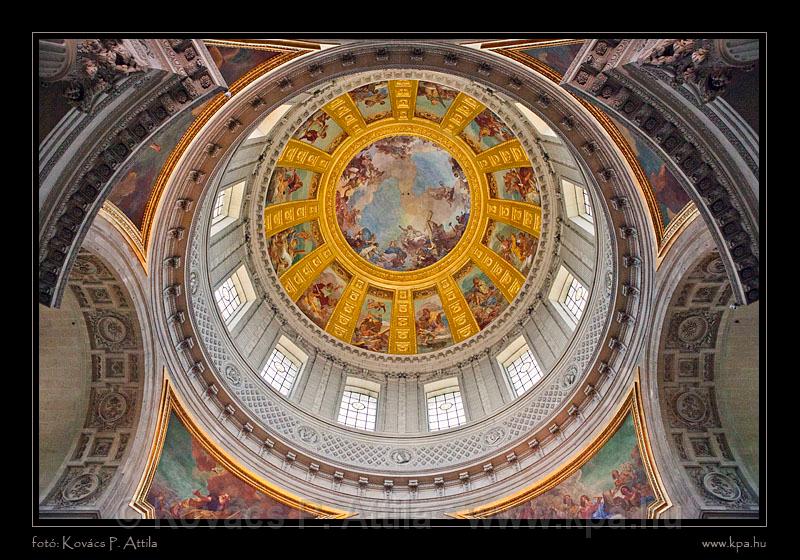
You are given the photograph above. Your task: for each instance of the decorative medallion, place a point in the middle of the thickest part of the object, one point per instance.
(400, 456)
(494, 436)
(715, 267)
(112, 329)
(722, 486)
(307, 434)
(692, 329)
(569, 377)
(112, 407)
(80, 487)
(690, 407)
(85, 267)
(232, 375)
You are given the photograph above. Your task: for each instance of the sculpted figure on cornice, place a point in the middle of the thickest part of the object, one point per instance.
(695, 61)
(100, 63)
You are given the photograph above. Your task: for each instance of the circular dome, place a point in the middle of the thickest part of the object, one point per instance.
(403, 216)
(524, 179)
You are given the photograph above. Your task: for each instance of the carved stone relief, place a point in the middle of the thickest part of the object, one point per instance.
(115, 391)
(687, 392)
(612, 73)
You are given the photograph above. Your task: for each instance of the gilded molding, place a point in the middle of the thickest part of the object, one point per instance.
(503, 156)
(633, 404)
(169, 403)
(460, 113)
(128, 229)
(403, 95)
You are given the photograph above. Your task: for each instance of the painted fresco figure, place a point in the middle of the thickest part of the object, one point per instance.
(200, 506)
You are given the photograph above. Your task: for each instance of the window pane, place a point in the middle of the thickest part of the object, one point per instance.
(445, 411)
(523, 372)
(219, 207)
(280, 372)
(228, 299)
(575, 302)
(358, 410)
(587, 206)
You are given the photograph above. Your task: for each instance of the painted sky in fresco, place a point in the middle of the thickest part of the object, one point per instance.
(131, 192)
(402, 182)
(233, 63)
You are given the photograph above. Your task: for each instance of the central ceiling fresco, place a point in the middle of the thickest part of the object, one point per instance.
(403, 217)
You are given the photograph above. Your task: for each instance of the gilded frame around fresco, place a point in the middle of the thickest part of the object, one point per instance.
(632, 404)
(169, 403)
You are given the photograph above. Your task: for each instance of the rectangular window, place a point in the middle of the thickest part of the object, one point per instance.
(445, 408)
(575, 300)
(358, 409)
(228, 299)
(569, 297)
(281, 370)
(227, 207)
(235, 296)
(219, 207)
(587, 206)
(578, 205)
(523, 371)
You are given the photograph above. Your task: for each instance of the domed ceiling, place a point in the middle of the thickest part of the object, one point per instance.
(402, 217)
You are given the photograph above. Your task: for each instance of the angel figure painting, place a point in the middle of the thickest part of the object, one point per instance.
(433, 330)
(516, 247)
(189, 483)
(613, 484)
(287, 184)
(373, 101)
(433, 100)
(321, 297)
(402, 203)
(321, 131)
(485, 131)
(484, 299)
(372, 326)
(517, 184)
(290, 245)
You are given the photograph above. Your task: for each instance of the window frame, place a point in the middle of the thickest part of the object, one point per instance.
(364, 388)
(444, 388)
(578, 204)
(232, 197)
(560, 293)
(245, 292)
(526, 379)
(291, 353)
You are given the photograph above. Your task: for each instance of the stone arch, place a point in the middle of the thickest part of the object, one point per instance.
(112, 360)
(689, 373)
